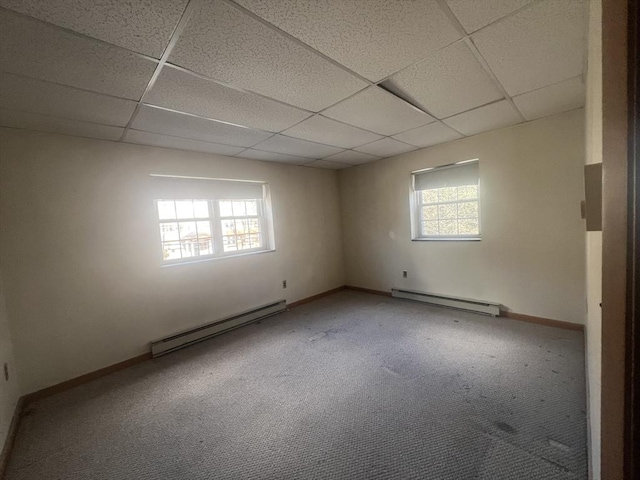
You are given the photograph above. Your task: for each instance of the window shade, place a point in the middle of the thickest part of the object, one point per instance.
(176, 188)
(452, 176)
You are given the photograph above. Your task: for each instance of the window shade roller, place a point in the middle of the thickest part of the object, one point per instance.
(176, 188)
(453, 176)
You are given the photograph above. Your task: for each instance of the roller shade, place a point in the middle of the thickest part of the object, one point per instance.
(450, 176)
(176, 188)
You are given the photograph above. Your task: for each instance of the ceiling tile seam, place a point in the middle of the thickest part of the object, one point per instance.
(179, 28)
(507, 16)
(337, 121)
(354, 151)
(310, 141)
(581, 77)
(49, 132)
(492, 102)
(78, 34)
(328, 161)
(60, 117)
(255, 147)
(190, 138)
(296, 40)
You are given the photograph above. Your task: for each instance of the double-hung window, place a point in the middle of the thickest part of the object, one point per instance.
(446, 202)
(207, 218)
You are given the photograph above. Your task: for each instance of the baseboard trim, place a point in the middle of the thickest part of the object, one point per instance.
(11, 437)
(368, 290)
(543, 321)
(315, 297)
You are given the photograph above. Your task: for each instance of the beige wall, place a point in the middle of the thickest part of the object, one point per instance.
(9, 390)
(80, 251)
(593, 114)
(532, 255)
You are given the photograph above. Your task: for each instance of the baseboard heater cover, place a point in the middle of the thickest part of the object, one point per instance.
(198, 334)
(478, 306)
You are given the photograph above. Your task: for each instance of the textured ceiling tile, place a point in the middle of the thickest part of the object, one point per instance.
(351, 157)
(44, 123)
(542, 44)
(561, 97)
(323, 130)
(378, 111)
(428, 135)
(143, 26)
(158, 120)
(448, 82)
(156, 140)
(374, 38)
(296, 147)
(185, 92)
(35, 96)
(327, 165)
(272, 157)
(228, 45)
(473, 16)
(490, 117)
(30, 47)
(387, 147)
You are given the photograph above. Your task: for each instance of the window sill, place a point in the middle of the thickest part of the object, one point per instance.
(177, 263)
(448, 239)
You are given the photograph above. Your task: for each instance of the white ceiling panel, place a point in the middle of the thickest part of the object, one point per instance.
(44, 123)
(561, 97)
(374, 38)
(351, 157)
(542, 44)
(327, 165)
(35, 96)
(228, 45)
(387, 147)
(448, 82)
(428, 135)
(35, 49)
(158, 120)
(143, 26)
(378, 111)
(324, 130)
(272, 157)
(473, 16)
(185, 92)
(490, 117)
(167, 141)
(296, 147)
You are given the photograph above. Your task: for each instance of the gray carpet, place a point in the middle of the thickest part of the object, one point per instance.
(351, 386)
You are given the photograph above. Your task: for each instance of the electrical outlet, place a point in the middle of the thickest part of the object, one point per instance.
(404, 274)
(6, 372)
(284, 284)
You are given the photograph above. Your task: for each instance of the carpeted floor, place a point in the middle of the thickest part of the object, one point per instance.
(351, 386)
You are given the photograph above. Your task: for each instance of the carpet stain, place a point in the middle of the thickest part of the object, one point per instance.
(505, 427)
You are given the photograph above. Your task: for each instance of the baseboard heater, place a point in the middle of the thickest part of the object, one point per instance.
(195, 335)
(478, 306)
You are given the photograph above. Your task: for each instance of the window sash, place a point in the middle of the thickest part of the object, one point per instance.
(420, 205)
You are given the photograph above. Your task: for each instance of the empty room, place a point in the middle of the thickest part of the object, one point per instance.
(328, 239)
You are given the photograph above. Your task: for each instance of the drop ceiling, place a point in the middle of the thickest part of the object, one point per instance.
(319, 83)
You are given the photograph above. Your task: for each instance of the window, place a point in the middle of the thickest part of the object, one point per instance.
(445, 203)
(226, 218)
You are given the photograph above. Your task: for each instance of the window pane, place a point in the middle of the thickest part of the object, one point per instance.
(430, 213)
(254, 225)
(184, 208)
(228, 227)
(166, 210)
(242, 226)
(255, 241)
(468, 210)
(430, 228)
(225, 208)
(468, 227)
(204, 230)
(171, 251)
(430, 196)
(189, 248)
(168, 232)
(447, 211)
(239, 209)
(205, 246)
(201, 208)
(447, 194)
(187, 230)
(244, 242)
(252, 207)
(229, 243)
(467, 192)
(448, 227)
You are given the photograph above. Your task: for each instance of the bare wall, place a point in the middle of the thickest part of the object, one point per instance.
(9, 389)
(79, 249)
(532, 254)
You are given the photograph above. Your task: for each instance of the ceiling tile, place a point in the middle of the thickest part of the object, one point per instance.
(473, 17)
(35, 96)
(272, 157)
(448, 82)
(296, 147)
(374, 38)
(324, 130)
(166, 141)
(378, 111)
(327, 165)
(143, 26)
(561, 97)
(158, 120)
(180, 90)
(44, 123)
(248, 54)
(387, 147)
(35, 49)
(428, 135)
(542, 44)
(351, 157)
(490, 117)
